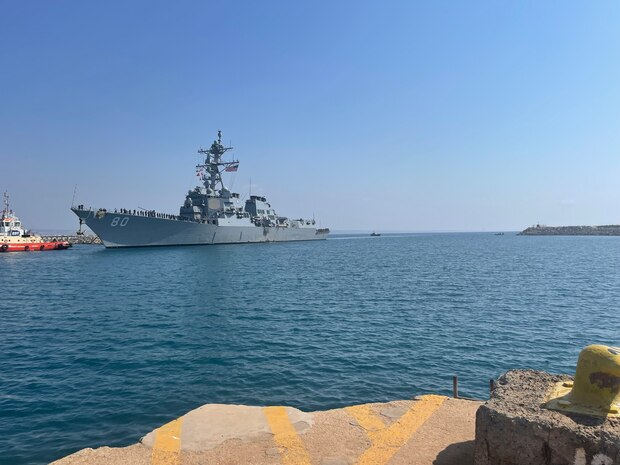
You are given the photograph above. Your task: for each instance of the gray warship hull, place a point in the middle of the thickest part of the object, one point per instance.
(127, 230)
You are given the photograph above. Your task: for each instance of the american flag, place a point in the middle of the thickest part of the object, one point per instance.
(232, 167)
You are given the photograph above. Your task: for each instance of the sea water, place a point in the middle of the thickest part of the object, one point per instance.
(99, 347)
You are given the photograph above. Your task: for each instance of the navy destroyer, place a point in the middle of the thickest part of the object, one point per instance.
(211, 214)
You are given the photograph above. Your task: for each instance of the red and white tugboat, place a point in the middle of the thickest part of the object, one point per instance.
(14, 238)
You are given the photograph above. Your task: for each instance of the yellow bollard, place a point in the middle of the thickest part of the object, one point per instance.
(596, 389)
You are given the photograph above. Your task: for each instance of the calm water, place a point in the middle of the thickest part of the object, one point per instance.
(98, 347)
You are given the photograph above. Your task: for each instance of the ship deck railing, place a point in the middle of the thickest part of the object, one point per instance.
(142, 213)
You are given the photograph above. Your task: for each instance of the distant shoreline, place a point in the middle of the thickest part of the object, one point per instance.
(541, 230)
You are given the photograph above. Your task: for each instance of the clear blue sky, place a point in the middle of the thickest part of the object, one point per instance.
(395, 115)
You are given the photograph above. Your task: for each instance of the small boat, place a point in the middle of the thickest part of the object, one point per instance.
(14, 238)
(374, 234)
(499, 234)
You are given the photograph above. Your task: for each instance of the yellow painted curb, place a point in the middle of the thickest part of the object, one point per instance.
(387, 441)
(286, 438)
(167, 445)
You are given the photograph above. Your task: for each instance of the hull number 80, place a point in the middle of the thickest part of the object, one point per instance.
(118, 221)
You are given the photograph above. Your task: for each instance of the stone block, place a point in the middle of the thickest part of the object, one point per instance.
(513, 428)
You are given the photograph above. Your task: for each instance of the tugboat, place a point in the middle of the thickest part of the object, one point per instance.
(14, 238)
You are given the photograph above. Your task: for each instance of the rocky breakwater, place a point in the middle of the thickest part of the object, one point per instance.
(81, 239)
(542, 230)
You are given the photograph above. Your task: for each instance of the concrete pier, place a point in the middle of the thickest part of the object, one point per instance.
(430, 430)
(532, 418)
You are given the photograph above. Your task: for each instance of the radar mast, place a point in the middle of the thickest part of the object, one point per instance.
(211, 170)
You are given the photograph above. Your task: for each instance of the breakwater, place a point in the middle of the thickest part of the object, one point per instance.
(75, 239)
(542, 230)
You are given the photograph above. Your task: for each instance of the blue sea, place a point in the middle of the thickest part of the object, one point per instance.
(98, 347)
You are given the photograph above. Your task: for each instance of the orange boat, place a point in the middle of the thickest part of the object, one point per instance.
(14, 238)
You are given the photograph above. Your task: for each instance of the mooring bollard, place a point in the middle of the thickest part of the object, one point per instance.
(455, 387)
(596, 388)
(577, 423)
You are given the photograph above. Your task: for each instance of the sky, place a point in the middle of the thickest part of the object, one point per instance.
(369, 115)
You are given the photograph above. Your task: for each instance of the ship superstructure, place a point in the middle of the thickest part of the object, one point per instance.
(211, 214)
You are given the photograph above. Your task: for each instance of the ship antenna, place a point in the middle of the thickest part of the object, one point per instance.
(73, 199)
(6, 202)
